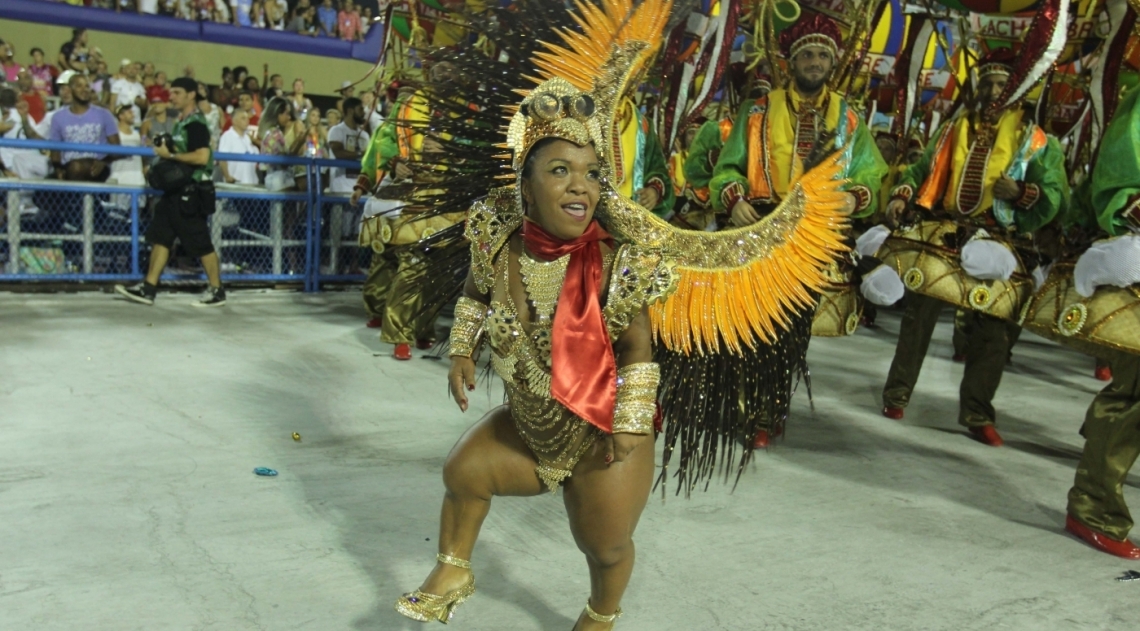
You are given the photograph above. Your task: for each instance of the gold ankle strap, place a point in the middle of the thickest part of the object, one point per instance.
(597, 617)
(450, 560)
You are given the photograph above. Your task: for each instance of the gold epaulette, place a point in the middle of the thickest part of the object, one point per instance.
(639, 278)
(490, 224)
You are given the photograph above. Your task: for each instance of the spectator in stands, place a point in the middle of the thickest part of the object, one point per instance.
(30, 95)
(278, 119)
(301, 103)
(225, 94)
(127, 171)
(8, 61)
(317, 144)
(240, 138)
(73, 54)
(188, 71)
(221, 15)
(240, 73)
(212, 112)
(276, 15)
(146, 76)
(182, 214)
(43, 73)
(245, 103)
(100, 80)
(257, 15)
(158, 92)
(327, 18)
(250, 85)
(43, 128)
(347, 91)
(128, 90)
(366, 21)
(333, 118)
(348, 141)
(372, 115)
(348, 22)
(304, 22)
(243, 13)
(26, 164)
(85, 123)
(158, 122)
(274, 84)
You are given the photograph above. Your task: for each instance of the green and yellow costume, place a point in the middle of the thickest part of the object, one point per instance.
(955, 178)
(773, 134)
(1106, 324)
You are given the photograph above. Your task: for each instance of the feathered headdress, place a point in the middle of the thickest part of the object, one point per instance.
(737, 286)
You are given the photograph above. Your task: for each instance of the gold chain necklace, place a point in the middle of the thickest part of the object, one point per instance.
(543, 282)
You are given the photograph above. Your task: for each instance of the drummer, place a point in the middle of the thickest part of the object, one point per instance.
(1096, 509)
(963, 175)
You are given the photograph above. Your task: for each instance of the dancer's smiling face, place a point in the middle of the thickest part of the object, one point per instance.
(561, 183)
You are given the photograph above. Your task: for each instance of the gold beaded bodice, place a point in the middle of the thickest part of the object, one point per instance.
(520, 321)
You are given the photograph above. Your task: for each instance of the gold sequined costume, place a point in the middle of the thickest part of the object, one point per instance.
(521, 344)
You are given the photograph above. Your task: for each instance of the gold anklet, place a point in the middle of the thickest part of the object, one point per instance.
(597, 617)
(456, 561)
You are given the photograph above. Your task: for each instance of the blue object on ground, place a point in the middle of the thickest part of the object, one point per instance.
(265, 471)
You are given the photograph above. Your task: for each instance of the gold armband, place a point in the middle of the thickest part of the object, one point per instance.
(636, 398)
(467, 330)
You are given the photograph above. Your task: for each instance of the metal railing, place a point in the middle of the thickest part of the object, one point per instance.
(65, 231)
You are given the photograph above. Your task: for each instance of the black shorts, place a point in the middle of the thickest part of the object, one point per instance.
(179, 216)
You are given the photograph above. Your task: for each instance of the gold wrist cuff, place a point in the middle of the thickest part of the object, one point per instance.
(467, 330)
(636, 398)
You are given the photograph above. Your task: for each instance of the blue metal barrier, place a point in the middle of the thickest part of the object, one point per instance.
(57, 230)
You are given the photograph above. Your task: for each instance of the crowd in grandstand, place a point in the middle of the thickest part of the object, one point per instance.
(80, 99)
(345, 19)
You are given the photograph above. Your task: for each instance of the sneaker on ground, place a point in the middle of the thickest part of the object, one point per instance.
(138, 293)
(212, 297)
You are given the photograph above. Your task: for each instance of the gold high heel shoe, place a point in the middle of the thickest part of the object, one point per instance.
(597, 617)
(426, 607)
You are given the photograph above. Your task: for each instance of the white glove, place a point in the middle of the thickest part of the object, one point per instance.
(882, 286)
(1113, 262)
(986, 259)
(870, 241)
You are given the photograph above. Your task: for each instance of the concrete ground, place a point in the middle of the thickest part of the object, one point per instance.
(128, 499)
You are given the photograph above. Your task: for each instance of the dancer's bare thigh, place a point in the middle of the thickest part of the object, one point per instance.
(605, 502)
(492, 457)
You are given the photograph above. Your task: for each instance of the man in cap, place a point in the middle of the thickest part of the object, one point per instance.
(774, 133)
(964, 175)
(182, 214)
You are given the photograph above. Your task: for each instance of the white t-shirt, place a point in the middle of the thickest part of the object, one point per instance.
(125, 92)
(352, 139)
(232, 142)
(375, 120)
(148, 6)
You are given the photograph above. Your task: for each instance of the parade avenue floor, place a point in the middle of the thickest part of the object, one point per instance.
(128, 498)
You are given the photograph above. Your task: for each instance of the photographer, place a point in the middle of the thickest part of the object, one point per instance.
(184, 174)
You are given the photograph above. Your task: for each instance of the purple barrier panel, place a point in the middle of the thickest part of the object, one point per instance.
(275, 40)
(369, 49)
(98, 19)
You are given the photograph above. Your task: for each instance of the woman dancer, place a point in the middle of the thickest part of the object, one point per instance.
(569, 313)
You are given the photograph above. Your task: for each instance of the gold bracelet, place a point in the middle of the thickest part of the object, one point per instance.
(467, 330)
(636, 398)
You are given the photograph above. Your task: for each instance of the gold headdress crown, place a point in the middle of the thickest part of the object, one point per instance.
(555, 109)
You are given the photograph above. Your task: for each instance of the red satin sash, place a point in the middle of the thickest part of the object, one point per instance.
(584, 371)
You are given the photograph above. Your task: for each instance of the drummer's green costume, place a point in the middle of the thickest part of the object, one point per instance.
(955, 177)
(1112, 423)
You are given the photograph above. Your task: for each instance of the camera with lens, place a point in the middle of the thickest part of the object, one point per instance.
(164, 140)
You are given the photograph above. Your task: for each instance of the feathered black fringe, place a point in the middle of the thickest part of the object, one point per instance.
(713, 405)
